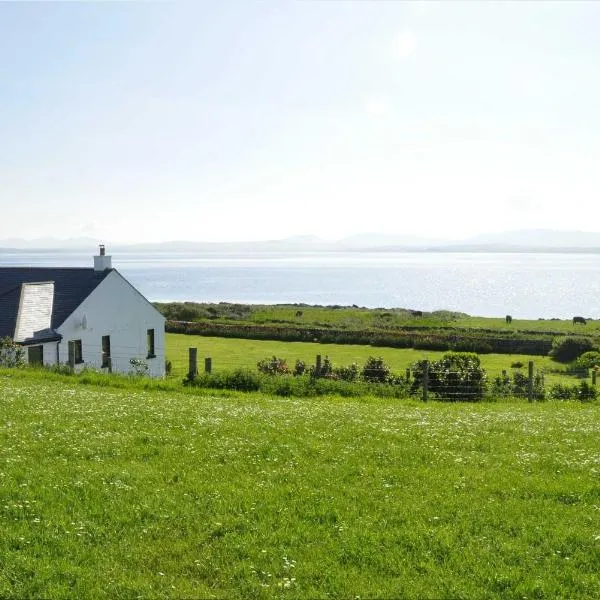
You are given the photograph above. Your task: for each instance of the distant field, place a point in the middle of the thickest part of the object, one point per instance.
(127, 493)
(228, 353)
(357, 318)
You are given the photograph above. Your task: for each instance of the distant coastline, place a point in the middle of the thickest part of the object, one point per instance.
(297, 249)
(526, 241)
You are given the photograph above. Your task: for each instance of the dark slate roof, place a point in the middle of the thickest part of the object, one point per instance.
(71, 287)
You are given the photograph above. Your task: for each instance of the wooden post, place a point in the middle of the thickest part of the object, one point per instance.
(193, 369)
(407, 375)
(109, 364)
(425, 379)
(530, 382)
(208, 364)
(318, 366)
(503, 373)
(594, 376)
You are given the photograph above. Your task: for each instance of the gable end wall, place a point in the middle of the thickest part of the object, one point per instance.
(117, 309)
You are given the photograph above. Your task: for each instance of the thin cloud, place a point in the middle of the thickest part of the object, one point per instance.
(378, 105)
(404, 45)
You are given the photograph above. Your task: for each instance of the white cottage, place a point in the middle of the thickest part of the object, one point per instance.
(87, 317)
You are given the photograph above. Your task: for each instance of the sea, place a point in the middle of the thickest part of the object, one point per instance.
(524, 285)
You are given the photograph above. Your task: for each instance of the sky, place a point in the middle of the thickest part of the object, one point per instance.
(252, 120)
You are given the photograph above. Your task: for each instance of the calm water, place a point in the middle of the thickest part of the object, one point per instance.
(524, 285)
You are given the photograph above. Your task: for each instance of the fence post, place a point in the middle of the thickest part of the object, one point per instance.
(530, 382)
(193, 368)
(318, 366)
(425, 379)
(208, 365)
(407, 375)
(594, 376)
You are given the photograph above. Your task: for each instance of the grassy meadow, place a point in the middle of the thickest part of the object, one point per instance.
(230, 353)
(123, 493)
(361, 318)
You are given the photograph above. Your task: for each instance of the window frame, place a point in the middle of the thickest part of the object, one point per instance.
(106, 358)
(150, 344)
(77, 346)
(38, 348)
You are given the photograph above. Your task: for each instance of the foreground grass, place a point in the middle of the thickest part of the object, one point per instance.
(128, 493)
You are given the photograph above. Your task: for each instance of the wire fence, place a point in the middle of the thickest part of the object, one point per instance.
(425, 380)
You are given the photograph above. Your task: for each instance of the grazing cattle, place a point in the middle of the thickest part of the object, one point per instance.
(579, 320)
(298, 313)
(508, 319)
(416, 313)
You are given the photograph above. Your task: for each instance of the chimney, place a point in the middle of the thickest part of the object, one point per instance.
(102, 262)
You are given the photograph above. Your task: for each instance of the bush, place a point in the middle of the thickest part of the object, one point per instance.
(273, 366)
(588, 360)
(349, 373)
(456, 376)
(242, 380)
(140, 366)
(560, 391)
(11, 354)
(375, 370)
(501, 387)
(517, 365)
(520, 386)
(567, 348)
(299, 368)
(584, 392)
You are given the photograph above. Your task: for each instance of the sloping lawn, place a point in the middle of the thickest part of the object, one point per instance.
(109, 493)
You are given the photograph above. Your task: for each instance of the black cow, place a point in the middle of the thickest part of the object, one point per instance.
(579, 320)
(508, 319)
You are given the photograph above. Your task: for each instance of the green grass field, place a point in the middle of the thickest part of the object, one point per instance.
(228, 353)
(356, 318)
(109, 493)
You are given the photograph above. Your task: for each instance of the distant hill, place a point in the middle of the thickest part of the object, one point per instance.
(534, 240)
(538, 238)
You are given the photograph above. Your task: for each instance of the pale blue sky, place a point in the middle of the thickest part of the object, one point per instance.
(145, 121)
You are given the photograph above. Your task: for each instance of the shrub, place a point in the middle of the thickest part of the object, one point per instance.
(583, 392)
(140, 367)
(242, 380)
(456, 376)
(11, 355)
(567, 348)
(501, 387)
(517, 365)
(560, 391)
(588, 360)
(586, 392)
(273, 366)
(299, 368)
(349, 373)
(520, 386)
(375, 370)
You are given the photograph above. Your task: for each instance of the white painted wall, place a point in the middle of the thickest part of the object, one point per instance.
(117, 309)
(49, 353)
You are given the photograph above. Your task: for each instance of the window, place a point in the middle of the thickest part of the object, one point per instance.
(35, 355)
(150, 343)
(105, 351)
(75, 352)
